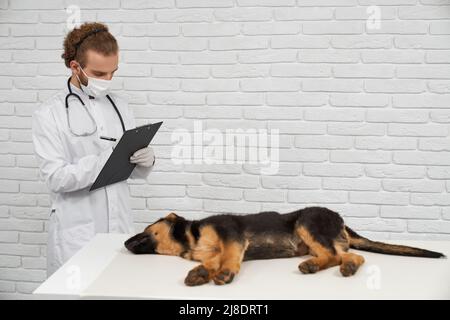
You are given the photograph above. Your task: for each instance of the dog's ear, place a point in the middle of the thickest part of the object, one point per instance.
(171, 216)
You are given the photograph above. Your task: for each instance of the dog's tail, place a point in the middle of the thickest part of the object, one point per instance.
(360, 243)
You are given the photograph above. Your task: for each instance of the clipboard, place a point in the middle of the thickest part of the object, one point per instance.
(118, 166)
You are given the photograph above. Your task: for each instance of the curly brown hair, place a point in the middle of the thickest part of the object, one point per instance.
(89, 36)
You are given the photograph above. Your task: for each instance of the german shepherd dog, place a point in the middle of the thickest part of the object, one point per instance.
(222, 242)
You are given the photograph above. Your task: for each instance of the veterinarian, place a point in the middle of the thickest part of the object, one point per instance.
(73, 135)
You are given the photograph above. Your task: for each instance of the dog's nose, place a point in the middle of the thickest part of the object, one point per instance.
(140, 243)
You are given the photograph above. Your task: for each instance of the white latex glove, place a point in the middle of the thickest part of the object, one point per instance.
(143, 157)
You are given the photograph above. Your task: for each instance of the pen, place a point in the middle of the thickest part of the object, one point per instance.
(107, 138)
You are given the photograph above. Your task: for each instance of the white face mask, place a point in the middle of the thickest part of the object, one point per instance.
(95, 87)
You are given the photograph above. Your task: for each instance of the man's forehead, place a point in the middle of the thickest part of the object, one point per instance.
(100, 62)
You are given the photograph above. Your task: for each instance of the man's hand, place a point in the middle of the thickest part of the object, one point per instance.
(143, 157)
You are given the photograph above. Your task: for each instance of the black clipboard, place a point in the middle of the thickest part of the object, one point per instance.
(118, 166)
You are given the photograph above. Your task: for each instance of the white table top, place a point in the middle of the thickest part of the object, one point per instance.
(105, 269)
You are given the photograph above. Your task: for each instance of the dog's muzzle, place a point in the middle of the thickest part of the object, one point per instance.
(141, 243)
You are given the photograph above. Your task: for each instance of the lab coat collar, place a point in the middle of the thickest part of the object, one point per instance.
(80, 92)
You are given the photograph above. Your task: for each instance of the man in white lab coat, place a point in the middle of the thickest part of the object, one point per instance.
(66, 133)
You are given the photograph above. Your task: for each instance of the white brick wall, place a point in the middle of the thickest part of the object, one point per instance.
(364, 114)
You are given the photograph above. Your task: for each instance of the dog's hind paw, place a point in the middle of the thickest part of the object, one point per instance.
(223, 277)
(197, 276)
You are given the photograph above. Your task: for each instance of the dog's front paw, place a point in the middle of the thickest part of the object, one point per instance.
(223, 277)
(197, 276)
(308, 267)
(348, 269)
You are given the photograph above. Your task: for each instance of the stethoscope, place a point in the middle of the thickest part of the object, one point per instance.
(71, 94)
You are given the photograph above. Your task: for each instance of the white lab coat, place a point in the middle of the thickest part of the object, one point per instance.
(70, 164)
